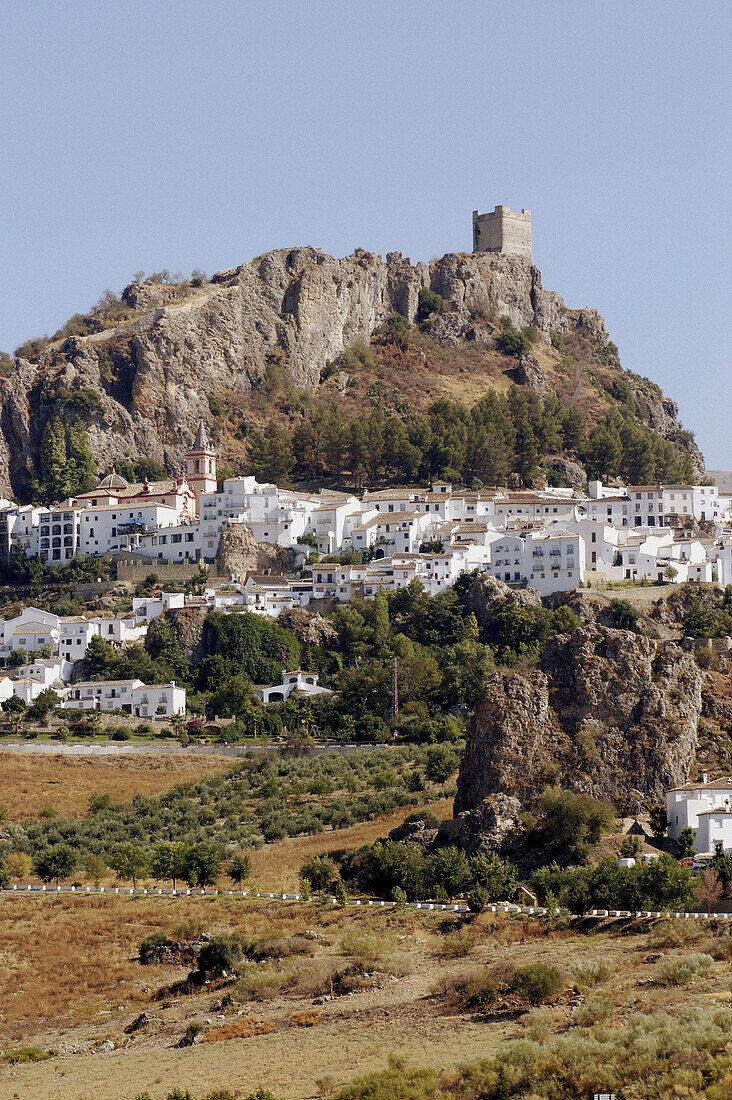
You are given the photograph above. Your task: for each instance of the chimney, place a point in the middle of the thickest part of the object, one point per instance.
(704, 778)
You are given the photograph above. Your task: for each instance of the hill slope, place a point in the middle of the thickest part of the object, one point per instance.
(251, 346)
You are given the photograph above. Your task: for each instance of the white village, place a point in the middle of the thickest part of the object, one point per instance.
(343, 547)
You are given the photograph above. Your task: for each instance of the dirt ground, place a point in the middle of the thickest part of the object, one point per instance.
(70, 981)
(28, 783)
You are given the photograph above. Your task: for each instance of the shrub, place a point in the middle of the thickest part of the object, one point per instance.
(591, 972)
(477, 899)
(150, 943)
(573, 823)
(429, 303)
(624, 614)
(122, 733)
(682, 971)
(538, 1022)
(476, 988)
(512, 342)
(192, 1031)
(597, 1009)
(458, 944)
(25, 1054)
(537, 982)
(220, 953)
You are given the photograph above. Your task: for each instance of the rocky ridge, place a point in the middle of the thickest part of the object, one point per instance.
(293, 309)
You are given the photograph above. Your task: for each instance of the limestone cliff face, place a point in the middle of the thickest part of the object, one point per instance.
(295, 308)
(607, 711)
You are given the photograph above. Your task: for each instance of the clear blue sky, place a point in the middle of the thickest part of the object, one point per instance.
(149, 134)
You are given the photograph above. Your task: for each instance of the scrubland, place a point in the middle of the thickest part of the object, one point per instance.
(434, 1006)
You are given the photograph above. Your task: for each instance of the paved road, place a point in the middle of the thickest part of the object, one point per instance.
(165, 748)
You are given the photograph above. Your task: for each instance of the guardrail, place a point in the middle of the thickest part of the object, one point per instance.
(379, 903)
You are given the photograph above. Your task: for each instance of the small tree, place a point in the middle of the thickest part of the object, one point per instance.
(56, 862)
(320, 872)
(47, 701)
(670, 573)
(710, 887)
(168, 861)
(130, 863)
(630, 847)
(685, 842)
(202, 865)
(95, 868)
(240, 868)
(14, 707)
(19, 865)
(659, 821)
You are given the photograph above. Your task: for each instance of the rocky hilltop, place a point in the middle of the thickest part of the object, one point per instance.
(144, 372)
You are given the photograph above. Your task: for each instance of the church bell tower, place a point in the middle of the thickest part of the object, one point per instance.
(201, 466)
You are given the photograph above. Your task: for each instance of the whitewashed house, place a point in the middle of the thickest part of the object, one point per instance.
(684, 804)
(304, 682)
(130, 696)
(48, 671)
(30, 630)
(149, 607)
(714, 829)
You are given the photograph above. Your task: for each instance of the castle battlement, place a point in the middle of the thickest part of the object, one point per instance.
(504, 230)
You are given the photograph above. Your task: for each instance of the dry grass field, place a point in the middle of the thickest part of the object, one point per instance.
(30, 782)
(70, 981)
(276, 867)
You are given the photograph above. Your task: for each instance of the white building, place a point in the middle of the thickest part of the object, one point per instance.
(31, 630)
(48, 671)
(304, 682)
(130, 696)
(685, 804)
(714, 829)
(149, 607)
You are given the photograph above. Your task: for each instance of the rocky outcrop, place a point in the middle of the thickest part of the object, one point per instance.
(239, 553)
(607, 712)
(489, 595)
(308, 627)
(494, 825)
(295, 308)
(189, 627)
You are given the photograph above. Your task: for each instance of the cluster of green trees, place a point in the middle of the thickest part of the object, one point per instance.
(483, 445)
(660, 885)
(621, 446)
(710, 617)
(66, 465)
(443, 661)
(21, 569)
(387, 866)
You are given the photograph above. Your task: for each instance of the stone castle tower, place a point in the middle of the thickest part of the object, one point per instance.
(201, 466)
(504, 231)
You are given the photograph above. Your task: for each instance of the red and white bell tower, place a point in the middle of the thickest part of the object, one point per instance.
(201, 466)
